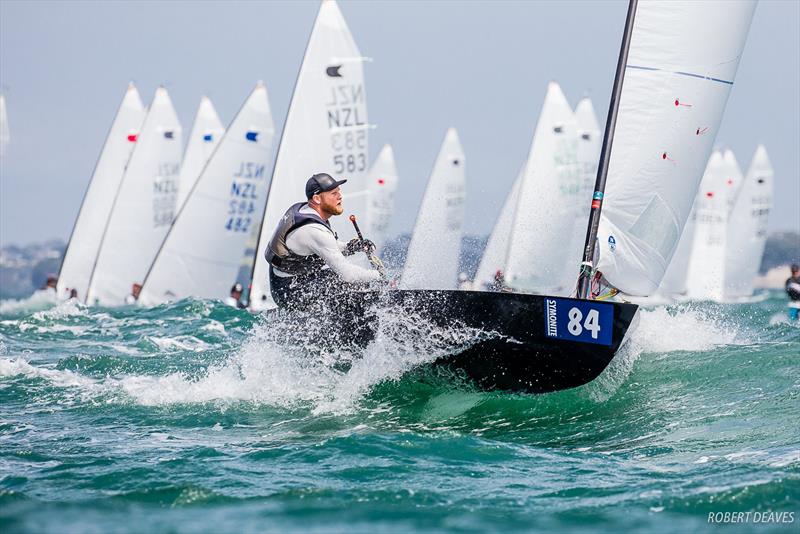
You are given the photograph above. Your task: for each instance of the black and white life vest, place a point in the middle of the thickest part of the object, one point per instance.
(280, 256)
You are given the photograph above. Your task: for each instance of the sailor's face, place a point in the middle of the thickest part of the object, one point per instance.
(331, 202)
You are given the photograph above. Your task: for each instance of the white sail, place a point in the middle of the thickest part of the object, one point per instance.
(202, 252)
(548, 208)
(382, 182)
(681, 65)
(84, 243)
(326, 130)
(433, 254)
(496, 252)
(747, 227)
(706, 271)
(674, 282)
(144, 206)
(206, 133)
(5, 133)
(590, 140)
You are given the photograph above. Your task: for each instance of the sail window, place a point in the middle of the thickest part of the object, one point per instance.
(657, 227)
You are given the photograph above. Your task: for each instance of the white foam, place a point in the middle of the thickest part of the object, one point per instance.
(266, 370)
(684, 329)
(179, 343)
(43, 298)
(62, 378)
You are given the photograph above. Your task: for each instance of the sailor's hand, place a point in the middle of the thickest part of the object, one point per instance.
(368, 246)
(353, 246)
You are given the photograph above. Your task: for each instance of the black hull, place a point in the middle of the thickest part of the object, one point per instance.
(537, 343)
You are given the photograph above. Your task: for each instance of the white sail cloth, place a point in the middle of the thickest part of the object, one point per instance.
(705, 278)
(326, 130)
(202, 252)
(143, 209)
(433, 254)
(203, 139)
(95, 210)
(382, 182)
(548, 207)
(496, 251)
(747, 227)
(681, 65)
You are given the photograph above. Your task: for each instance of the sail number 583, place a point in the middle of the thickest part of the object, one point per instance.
(592, 322)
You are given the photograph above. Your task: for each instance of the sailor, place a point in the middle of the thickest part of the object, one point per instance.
(234, 300)
(793, 290)
(499, 282)
(136, 289)
(50, 283)
(307, 261)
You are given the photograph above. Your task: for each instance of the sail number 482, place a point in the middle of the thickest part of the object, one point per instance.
(592, 322)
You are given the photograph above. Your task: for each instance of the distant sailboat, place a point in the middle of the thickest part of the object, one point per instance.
(747, 227)
(433, 254)
(144, 206)
(548, 206)
(206, 132)
(705, 278)
(201, 254)
(496, 252)
(95, 210)
(5, 133)
(326, 130)
(382, 182)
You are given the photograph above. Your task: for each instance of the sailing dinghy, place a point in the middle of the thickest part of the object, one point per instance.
(84, 243)
(326, 130)
(143, 207)
(382, 182)
(201, 253)
(433, 253)
(539, 343)
(203, 139)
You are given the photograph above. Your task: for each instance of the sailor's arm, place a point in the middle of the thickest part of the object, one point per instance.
(322, 243)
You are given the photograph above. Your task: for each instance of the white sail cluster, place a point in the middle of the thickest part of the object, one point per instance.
(720, 252)
(537, 241)
(160, 223)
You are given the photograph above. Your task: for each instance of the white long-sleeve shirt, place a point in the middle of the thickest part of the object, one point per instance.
(317, 239)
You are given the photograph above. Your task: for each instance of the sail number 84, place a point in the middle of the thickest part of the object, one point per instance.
(592, 322)
(579, 320)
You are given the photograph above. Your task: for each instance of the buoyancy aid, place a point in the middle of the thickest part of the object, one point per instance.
(280, 256)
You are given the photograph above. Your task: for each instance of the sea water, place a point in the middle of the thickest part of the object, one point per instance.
(196, 417)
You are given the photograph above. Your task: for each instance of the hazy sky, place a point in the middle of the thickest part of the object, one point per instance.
(479, 66)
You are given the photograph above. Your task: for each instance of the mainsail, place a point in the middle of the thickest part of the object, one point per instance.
(433, 254)
(206, 133)
(496, 252)
(548, 207)
(747, 227)
(705, 278)
(326, 130)
(84, 243)
(201, 254)
(143, 208)
(382, 182)
(681, 63)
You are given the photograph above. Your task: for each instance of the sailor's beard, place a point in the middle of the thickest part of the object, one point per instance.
(332, 209)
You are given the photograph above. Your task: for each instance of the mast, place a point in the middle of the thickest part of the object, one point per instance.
(585, 275)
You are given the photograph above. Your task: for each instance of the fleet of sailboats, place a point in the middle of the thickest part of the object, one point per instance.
(179, 226)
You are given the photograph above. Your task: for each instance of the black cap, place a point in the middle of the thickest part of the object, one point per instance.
(320, 183)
